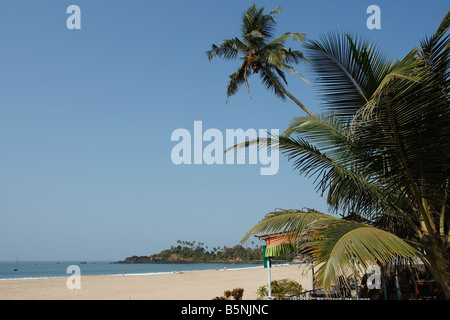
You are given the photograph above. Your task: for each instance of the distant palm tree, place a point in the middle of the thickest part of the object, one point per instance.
(259, 55)
(381, 155)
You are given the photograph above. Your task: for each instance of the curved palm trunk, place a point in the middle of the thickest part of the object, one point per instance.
(287, 93)
(440, 269)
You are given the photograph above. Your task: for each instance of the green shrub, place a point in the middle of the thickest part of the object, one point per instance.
(236, 293)
(280, 288)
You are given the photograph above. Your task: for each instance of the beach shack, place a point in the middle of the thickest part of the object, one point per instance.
(276, 245)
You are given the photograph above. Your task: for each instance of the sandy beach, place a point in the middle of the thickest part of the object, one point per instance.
(192, 285)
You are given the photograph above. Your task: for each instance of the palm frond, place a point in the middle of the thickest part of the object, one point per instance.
(444, 25)
(257, 26)
(347, 69)
(293, 70)
(327, 131)
(237, 78)
(404, 116)
(294, 56)
(299, 37)
(292, 220)
(347, 189)
(341, 247)
(270, 80)
(228, 49)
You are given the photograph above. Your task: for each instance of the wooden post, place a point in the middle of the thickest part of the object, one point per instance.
(267, 265)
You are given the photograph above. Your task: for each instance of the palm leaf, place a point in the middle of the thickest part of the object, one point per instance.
(299, 37)
(327, 131)
(236, 79)
(281, 249)
(228, 49)
(444, 25)
(270, 80)
(292, 221)
(348, 70)
(341, 248)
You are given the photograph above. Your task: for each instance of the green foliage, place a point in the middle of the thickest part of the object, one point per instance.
(260, 54)
(280, 288)
(380, 155)
(236, 293)
(197, 252)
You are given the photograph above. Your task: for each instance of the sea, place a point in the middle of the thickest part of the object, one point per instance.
(55, 269)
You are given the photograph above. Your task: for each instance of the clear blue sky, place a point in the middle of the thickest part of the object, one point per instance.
(86, 118)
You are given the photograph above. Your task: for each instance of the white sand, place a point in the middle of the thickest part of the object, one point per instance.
(192, 285)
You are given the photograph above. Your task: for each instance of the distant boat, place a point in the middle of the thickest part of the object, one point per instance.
(15, 267)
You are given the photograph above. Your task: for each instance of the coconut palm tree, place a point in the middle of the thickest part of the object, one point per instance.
(335, 247)
(382, 154)
(261, 54)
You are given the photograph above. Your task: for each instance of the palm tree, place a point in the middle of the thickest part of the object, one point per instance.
(259, 55)
(335, 247)
(381, 154)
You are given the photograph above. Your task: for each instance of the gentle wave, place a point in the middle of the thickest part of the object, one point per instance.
(106, 269)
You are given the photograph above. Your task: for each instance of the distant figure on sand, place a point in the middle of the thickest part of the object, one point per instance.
(123, 272)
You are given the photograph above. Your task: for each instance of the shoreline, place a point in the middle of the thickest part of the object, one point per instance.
(188, 285)
(119, 272)
(134, 274)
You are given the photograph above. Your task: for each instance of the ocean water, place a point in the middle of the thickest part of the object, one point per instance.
(52, 269)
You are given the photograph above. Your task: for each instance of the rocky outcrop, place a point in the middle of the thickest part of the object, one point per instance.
(157, 259)
(135, 259)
